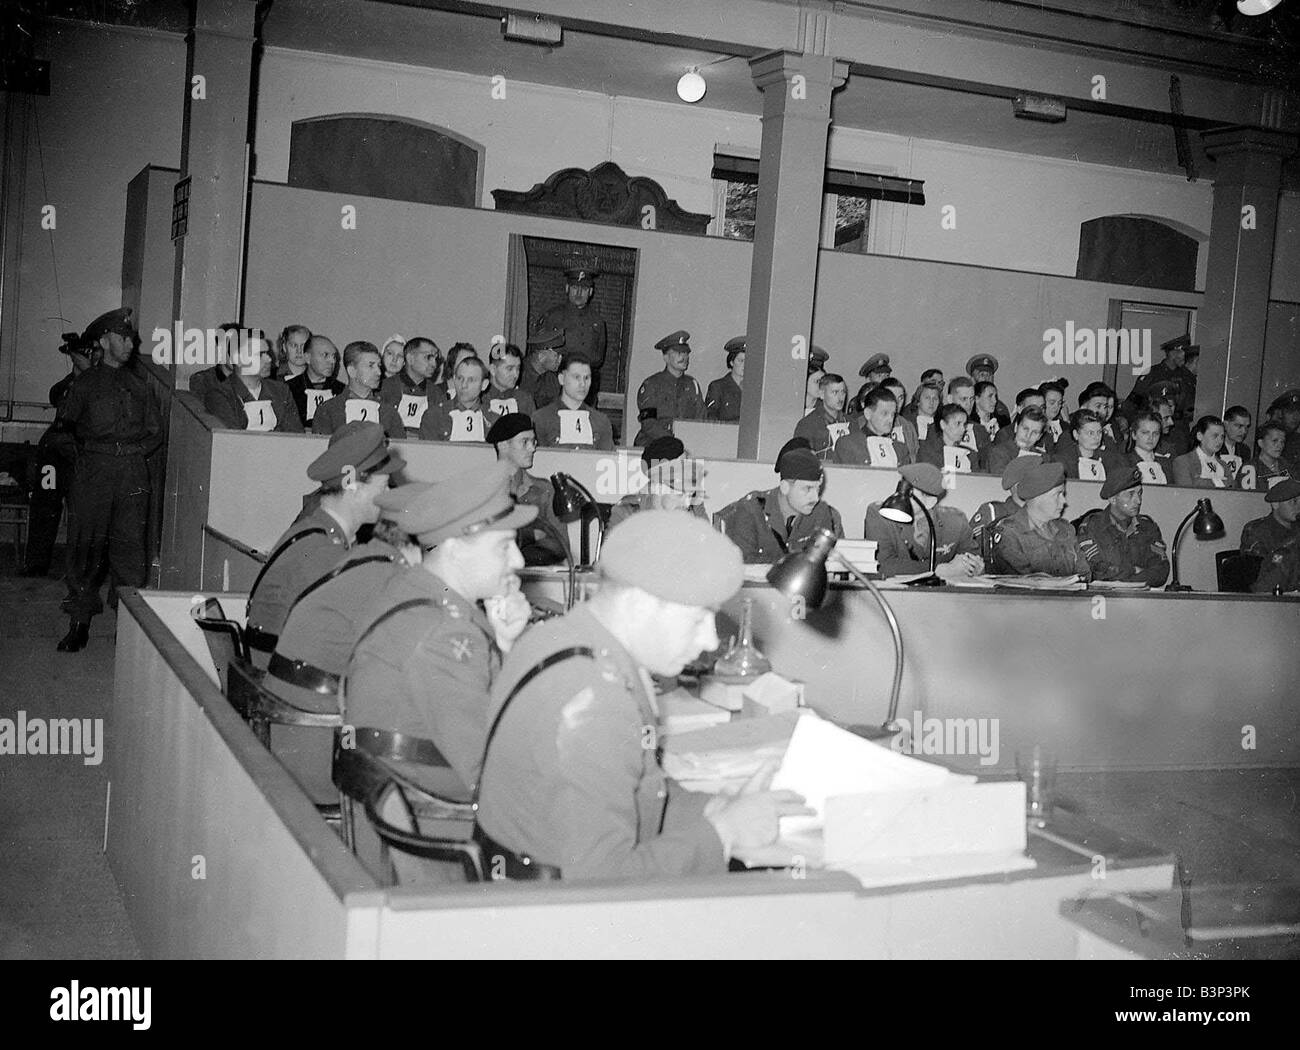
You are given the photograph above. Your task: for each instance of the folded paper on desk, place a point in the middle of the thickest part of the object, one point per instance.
(722, 758)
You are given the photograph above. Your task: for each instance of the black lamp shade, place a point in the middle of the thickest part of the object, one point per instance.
(898, 507)
(803, 573)
(567, 502)
(1208, 525)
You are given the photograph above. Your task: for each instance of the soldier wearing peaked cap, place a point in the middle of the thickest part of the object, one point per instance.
(585, 331)
(767, 526)
(722, 399)
(1119, 542)
(572, 782)
(876, 368)
(537, 376)
(1035, 538)
(351, 473)
(1171, 372)
(114, 419)
(982, 368)
(671, 394)
(904, 547)
(432, 638)
(1275, 538)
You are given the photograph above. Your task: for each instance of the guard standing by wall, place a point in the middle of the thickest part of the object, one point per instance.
(114, 418)
(584, 329)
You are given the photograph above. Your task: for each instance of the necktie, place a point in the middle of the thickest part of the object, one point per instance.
(789, 524)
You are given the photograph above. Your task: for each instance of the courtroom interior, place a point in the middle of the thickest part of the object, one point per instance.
(691, 478)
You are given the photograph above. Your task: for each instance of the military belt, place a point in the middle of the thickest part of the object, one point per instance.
(303, 675)
(262, 641)
(517, 865)
(114, 448)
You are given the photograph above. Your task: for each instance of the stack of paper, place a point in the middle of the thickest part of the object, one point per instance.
(861, 554)
(1039, 581)
(721, 759)
(679, 712)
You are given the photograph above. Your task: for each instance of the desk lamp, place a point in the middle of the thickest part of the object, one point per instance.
(898, 507)
(1208, 526)
(572, 502)
(803, 574)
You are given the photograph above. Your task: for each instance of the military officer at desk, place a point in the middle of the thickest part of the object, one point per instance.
(671, 394)
(722, 399)
(767, 526)
(1035, 538)
(904, 548)
(585, 331)
(1119, 542)
(1276, 539)
(352, 472)
(995, 510)
(572, 784)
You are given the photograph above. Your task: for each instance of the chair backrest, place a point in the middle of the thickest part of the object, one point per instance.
(1237, 570)
(224, 636)
(363, 768)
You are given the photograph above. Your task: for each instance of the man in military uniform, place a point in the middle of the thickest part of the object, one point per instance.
(415, 387)
(671, 394)
(351, 472)
(1171, 371)
(55, 458)
(568, 422)
(722, 399)
(537, 375)
(584, 329)
(826, 423)
(543, 541)
(572, 783)
(995, 510)
(465, 417)
(316, 384)
(320, 629)
(672, 482)
(767, 526)
(982, 368)
(426, 657)
(359, 402)
(904, 547)
(1119, 542)
(115, 421)
(873, 443)
(1035, 538)
(1276, 539)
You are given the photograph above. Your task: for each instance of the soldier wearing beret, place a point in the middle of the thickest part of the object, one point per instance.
(320, 629)
(767, 526)
(1119, 542)
(585, 331)
(1035, 538)
(415, 386)
(316, 383)
(248, 398)
(982, 368)
(671, 394)
(995, 510)
(826, 423)
(1275, 538)
(504, 395)
(873, 442)
(114, 419)
(464, 418)
(543, 541)
(359, 402)
(572, 783)
(672, 482)
(537, 376)
(569, 422)
(352, 472)
(427, 655)
(722, 399)
(904, 548)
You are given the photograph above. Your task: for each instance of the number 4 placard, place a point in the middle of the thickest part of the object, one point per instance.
(575, 427)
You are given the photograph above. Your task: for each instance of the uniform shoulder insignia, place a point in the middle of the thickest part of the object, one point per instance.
(462, 648)
(606, 666)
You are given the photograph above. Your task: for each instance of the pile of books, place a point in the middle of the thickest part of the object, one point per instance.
(861, 554)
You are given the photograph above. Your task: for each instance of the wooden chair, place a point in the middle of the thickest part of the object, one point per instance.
(1236, 570)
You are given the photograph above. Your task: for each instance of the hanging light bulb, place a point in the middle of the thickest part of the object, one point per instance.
(1256, 7)
(691, 86)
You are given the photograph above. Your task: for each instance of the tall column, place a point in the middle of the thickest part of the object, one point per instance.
(797, 92)
(210, 256)
(1231, 323)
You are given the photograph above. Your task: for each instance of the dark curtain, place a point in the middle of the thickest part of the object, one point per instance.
(1122, 249)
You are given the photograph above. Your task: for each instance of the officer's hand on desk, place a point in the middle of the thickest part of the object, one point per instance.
(508, 614)
(751, 820)
(962, 567)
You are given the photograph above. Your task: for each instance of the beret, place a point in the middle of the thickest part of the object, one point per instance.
(360, 446)
(674, 556)
(1283, 491)
(1118, 481)
(679, 340)
(799, 464)
(468, 503)
(1040, 478)
(985, 361)
(512, 424)
(661, 448)
(580, 275)
(1017, 469)
(875, 363)
(547, 338)
(118, 321)
(793, 443)
(925, 477)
